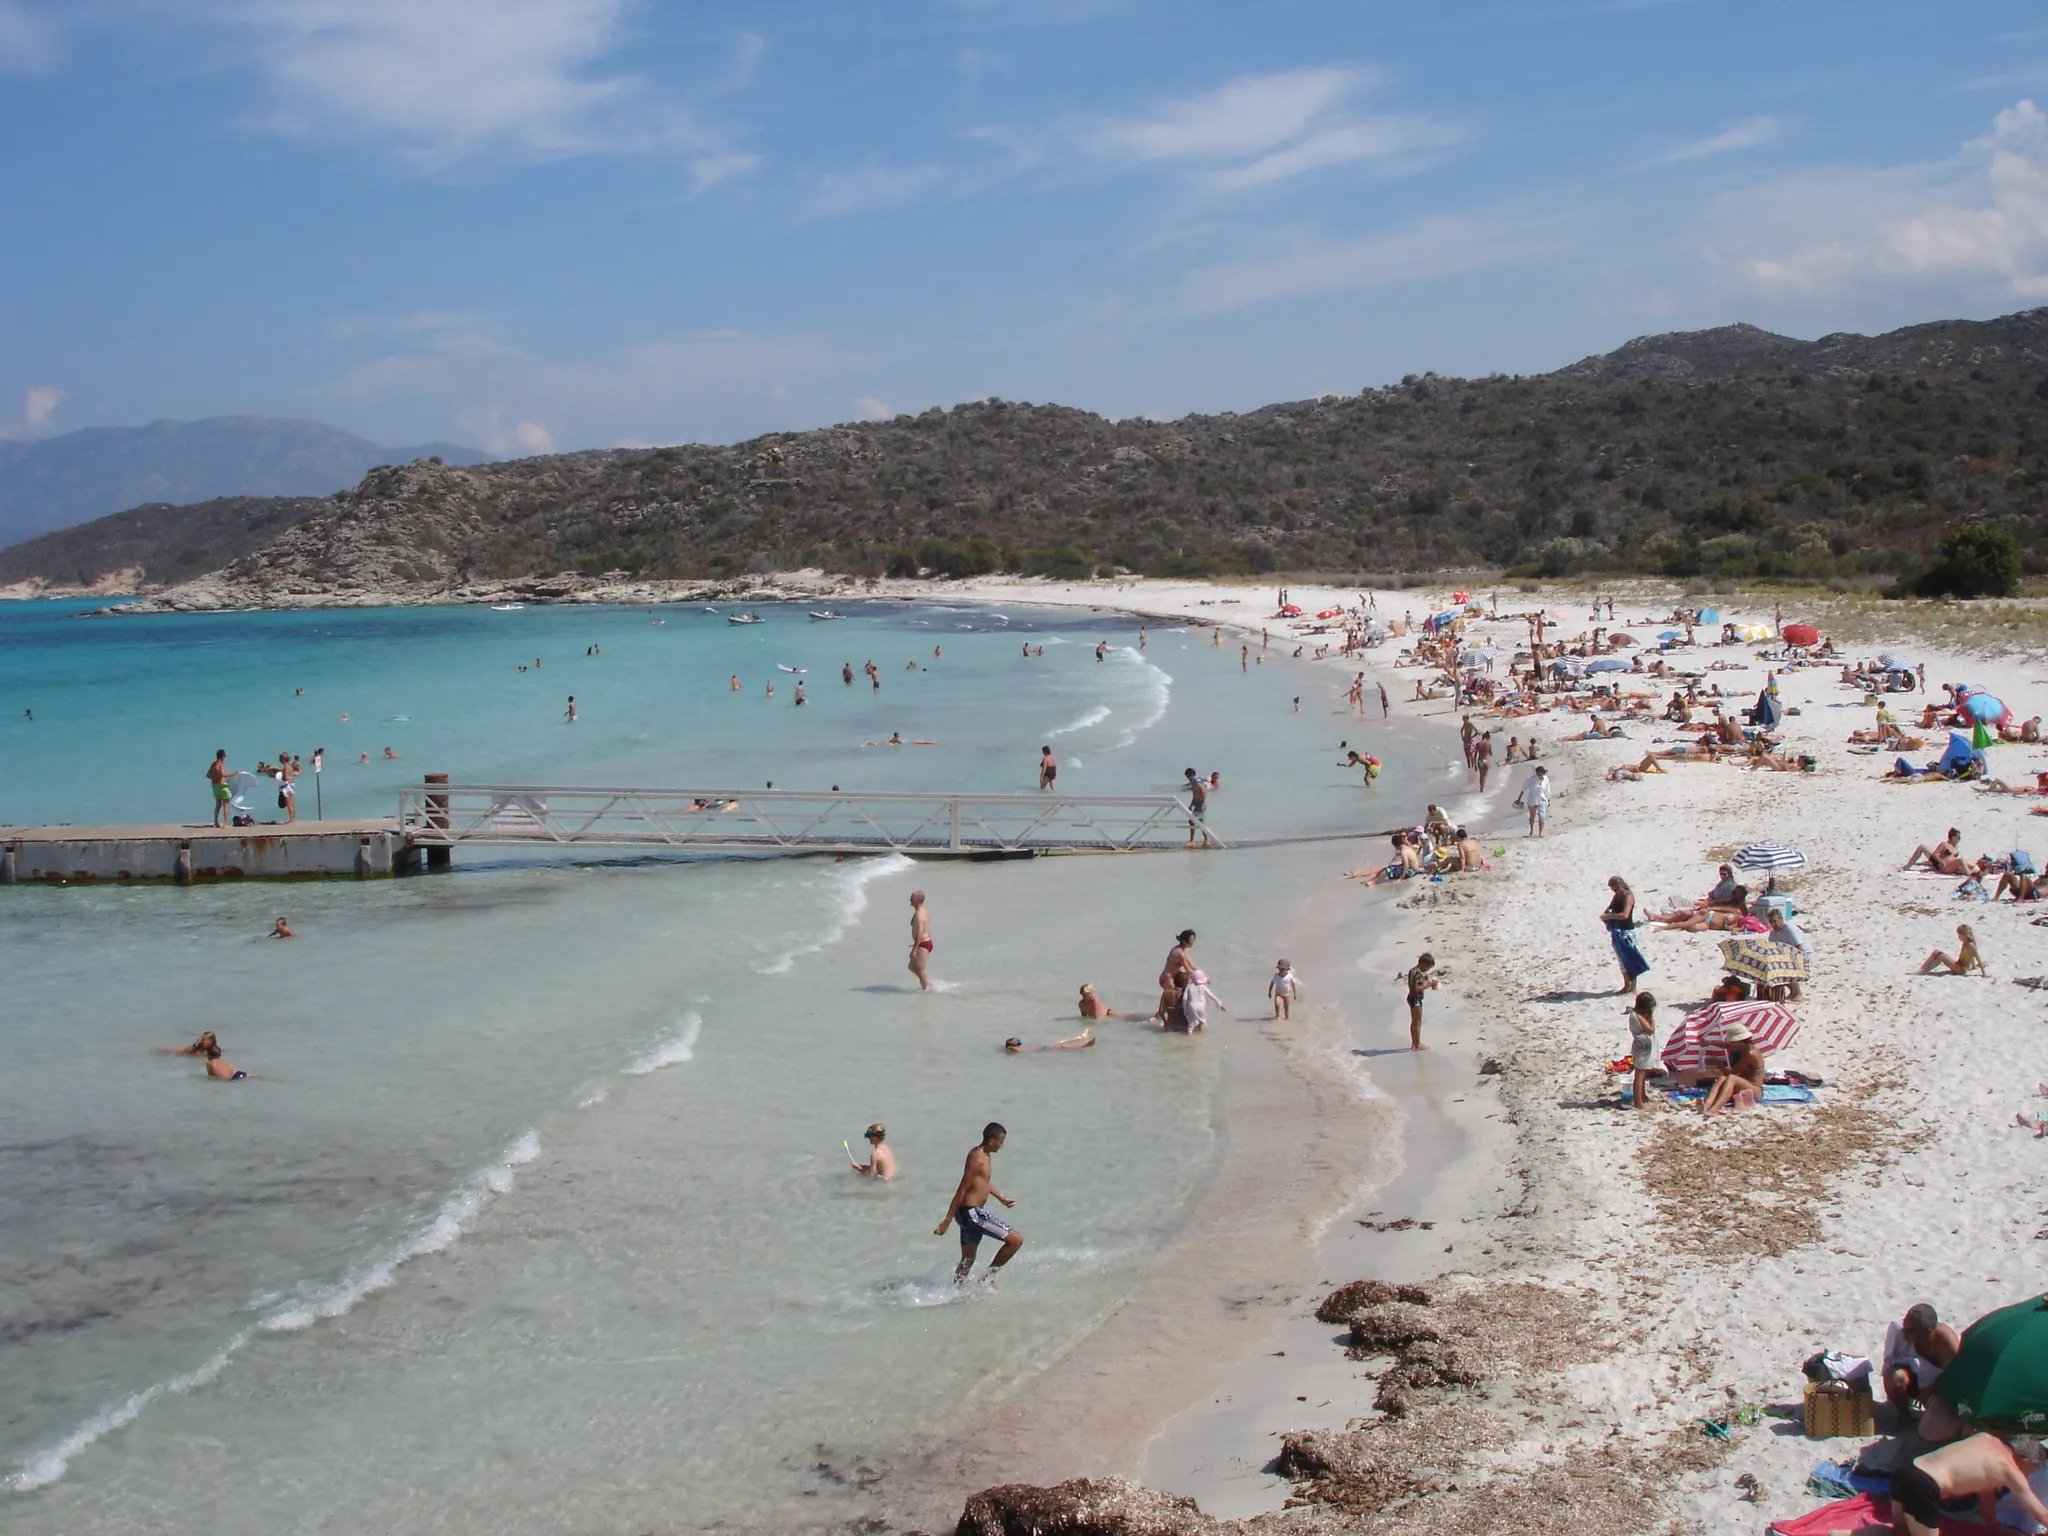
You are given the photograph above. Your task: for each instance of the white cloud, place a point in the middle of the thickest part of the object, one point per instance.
(519, 439)
(39, 404)
(869, 408)
(444, 80)
(1436, 247)
(1747, 134)
(511, 400)
(1264, 128)
(871, 185)
(1977, 223)
(28, 41)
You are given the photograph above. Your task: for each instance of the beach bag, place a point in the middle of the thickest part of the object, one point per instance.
(1836, 1408)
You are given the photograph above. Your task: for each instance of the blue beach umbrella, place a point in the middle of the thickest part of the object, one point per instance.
(1607, 664)
(1672, 634)
(1985, 706)
(1768, 856)
(1710, 615)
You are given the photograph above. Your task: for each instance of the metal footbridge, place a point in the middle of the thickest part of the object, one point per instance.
(440, 817)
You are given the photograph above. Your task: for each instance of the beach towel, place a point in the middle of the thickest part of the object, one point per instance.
(1865, 1512)
(1841, 1480)
(1776, 1095)
(1627, 952)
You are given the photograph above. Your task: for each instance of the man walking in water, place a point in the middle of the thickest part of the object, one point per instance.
(217, 776)
(1384, 711)
(920, 939)
(970, 1208)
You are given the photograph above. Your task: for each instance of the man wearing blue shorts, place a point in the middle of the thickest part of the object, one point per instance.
(970, 1208)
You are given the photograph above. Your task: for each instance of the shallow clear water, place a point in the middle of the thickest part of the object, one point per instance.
(536, 1207)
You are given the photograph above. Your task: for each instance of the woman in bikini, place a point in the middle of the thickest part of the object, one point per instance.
(1965, 959)
(1715, 918)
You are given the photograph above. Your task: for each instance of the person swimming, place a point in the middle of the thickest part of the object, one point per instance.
(217, 1067)
(881, 1164)
(1016, 1047)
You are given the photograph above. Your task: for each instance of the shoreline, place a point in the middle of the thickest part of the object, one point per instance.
(1261, 1244)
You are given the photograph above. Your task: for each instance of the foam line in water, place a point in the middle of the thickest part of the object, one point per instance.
(1159, 694)
(1094, 716)
(849, 901)
(46, 1466)
(674, 1051)
(447, 1225)
(455, 1214)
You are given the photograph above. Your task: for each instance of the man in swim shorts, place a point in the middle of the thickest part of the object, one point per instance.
(217, 776)
(218, 1066)
(1982, 1466)
(970, 1208)
(881, 1163)
(920, 939)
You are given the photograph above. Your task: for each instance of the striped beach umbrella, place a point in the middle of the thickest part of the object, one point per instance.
(1701, 1040)
(1768, 856)
(1765, 961)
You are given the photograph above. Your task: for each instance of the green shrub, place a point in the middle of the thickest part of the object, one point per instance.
(1974, 561)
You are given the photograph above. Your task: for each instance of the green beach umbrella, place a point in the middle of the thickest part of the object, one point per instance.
(2000, 1376)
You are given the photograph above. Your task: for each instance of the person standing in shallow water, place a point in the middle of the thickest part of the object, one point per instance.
(1048, 768)
(920, 939)
(970, 1209)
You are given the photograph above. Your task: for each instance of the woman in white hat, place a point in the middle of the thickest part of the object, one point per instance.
(1745, 1072)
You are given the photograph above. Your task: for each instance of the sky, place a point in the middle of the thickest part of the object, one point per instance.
(531, 225)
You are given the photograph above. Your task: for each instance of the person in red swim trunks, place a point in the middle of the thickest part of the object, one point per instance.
(920, 939)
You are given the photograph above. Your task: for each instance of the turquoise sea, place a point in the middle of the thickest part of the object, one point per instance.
(533, 1215)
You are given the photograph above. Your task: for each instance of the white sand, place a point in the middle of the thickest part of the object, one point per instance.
(1945, 1204)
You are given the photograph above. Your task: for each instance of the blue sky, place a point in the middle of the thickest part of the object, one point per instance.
(534, 224)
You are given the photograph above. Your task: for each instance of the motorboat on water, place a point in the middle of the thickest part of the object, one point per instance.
(826, 613)
(743, 618)
(508, 607)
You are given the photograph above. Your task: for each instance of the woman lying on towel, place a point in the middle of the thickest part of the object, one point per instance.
(1715, 917)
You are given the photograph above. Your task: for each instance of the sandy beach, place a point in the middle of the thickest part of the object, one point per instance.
(1624, 1275)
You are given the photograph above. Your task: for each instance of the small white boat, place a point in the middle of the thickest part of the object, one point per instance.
(826, 613)
(743, 618)
(707, 610)
(508, 607)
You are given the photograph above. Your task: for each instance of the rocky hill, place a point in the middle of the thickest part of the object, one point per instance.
(1730, 452)
(56, 482)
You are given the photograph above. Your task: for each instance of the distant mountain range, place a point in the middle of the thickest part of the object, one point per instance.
(1729, 453)
(56, 482)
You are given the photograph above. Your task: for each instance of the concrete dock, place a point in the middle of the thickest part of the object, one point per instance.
(306, 850)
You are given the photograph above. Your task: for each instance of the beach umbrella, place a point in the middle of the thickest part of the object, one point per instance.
(1985, 707)
(1672, 634)
(1701, 1041)
(2000, 1375)
(1981, 737)
(1607, 664)
(1768, 856)
(1763, 960)
(1801, 634)
(1623, 639)
(1710, 615)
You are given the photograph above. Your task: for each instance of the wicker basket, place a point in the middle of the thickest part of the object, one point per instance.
(1836, 1408)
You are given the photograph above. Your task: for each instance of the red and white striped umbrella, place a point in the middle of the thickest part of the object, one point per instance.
(1701, 1041)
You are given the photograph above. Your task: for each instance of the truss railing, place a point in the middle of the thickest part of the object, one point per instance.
(792, 821)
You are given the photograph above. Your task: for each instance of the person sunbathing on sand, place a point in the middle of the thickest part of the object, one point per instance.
(1942, 858)
(1714, 917)
(2024, 887)
(1745, 1074)
(2039, 1123)
(1649, 764)
(1965, 959)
